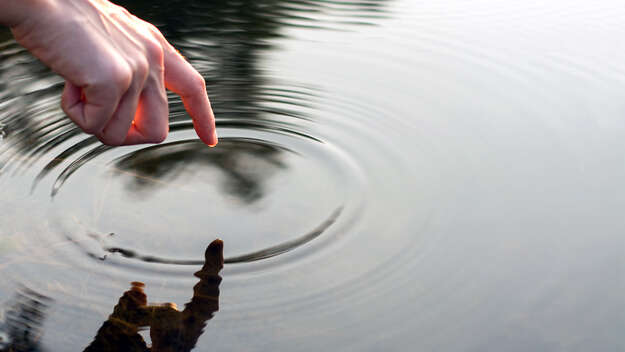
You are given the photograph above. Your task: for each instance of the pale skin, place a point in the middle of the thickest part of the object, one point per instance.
(116, 68)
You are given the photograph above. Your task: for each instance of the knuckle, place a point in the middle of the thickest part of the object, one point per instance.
(154, 30)
(154, 51)
(121, 77)
(198, 83)
(141, 68)
(119, 10)
(115, 80)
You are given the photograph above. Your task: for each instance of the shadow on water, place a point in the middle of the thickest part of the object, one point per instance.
(170, 329)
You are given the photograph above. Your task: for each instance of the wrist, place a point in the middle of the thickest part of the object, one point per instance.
(15, 12)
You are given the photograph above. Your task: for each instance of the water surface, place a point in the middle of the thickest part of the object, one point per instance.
(391, 175)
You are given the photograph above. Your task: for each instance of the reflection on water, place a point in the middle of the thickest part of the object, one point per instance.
(226, 41)
(274, 188)
(392, 175)
(245, 165)
(170, 329)
(24, 315)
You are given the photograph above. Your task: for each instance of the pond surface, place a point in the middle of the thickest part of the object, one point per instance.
(397, 175)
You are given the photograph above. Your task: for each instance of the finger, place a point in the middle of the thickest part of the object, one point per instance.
(90, 107)
(184, 80)
(115, 131)
(72, 100)
(151, 123)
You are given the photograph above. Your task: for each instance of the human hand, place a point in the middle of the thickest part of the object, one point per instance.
(116, 69)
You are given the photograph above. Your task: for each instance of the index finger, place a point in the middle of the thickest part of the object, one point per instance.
(182, 79)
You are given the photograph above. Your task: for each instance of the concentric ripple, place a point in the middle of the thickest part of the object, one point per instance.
(391, 175)
(252, 177)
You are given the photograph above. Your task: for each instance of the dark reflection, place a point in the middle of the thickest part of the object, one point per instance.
(23, 321)
(171, 330)
(225, 40)
(100, 148)
(245, 163)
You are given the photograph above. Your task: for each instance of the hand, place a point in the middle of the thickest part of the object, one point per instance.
(116, 68)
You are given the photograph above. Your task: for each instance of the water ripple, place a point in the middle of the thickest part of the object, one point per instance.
(390, 174)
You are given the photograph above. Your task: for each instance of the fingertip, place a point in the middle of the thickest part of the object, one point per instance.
(211, 142)
(207, 134)
(214, 140)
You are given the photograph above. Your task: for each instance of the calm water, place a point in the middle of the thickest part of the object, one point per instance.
(398, 175)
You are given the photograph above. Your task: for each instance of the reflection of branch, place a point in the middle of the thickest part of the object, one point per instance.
(170, 329)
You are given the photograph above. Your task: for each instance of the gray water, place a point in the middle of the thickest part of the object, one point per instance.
(395, 175)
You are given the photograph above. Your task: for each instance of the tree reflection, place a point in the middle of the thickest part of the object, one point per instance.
(171, 330)
(22, 327)
(225, 40)
(245, 165)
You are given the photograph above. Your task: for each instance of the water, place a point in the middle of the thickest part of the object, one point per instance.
(391, 175)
